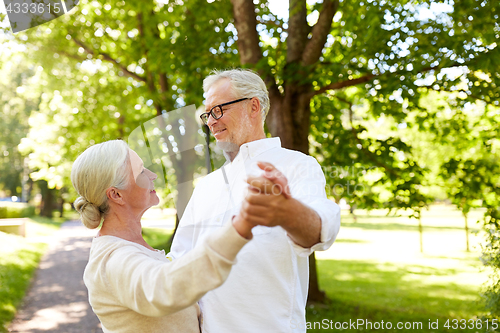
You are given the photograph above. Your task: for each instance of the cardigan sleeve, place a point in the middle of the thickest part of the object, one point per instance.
(154, 288)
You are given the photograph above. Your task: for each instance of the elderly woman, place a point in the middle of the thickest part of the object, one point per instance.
(132, 287)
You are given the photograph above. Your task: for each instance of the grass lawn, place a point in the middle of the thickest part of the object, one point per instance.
(375, 272)
(19, 259)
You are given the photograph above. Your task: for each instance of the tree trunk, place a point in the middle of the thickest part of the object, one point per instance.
(168, 245)
(61, 207)
(351, 210)
(48, 197)
(315, 295)
(466, 232)
(289, 114)
(421, 232)
(291, 125)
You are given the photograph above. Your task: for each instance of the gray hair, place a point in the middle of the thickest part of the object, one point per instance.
(98, 168)
(244, 83)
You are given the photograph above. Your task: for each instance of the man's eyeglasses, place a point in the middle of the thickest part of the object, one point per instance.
(216, 111)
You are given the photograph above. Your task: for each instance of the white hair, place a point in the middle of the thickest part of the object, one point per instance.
(99, 167)
(244, 83)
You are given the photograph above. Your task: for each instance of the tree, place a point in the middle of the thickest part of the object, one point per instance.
(114, 65)
(16, 103)
(472, 176)
(391, 52)
(330, 67)
(458, 142)
(491, 258)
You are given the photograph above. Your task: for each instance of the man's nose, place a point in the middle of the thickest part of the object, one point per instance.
(211, 120)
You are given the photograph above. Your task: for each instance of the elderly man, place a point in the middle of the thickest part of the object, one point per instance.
(267, 288)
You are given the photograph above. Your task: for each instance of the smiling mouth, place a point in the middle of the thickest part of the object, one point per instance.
(219, 131)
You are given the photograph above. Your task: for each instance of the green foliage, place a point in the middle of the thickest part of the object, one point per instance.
(16, 210)
(368, 170)
(473, 178)
(158, 238)
(470, 171)
(383, 136)
(491, 259)
(113, 65)
(377, 68)
(459, 144)
(16, 103)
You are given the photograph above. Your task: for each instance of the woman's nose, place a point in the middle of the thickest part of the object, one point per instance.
(152, 175)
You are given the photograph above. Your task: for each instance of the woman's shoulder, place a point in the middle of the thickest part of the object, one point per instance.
(111, 245)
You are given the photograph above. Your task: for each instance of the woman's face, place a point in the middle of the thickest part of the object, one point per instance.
(140, 191)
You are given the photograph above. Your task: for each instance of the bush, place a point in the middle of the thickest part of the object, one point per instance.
(9, 210)
(491, 258)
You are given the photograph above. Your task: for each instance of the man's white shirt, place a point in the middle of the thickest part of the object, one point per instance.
(267, 288)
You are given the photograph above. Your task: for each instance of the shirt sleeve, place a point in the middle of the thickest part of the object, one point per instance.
(157, 288)
(307, 185)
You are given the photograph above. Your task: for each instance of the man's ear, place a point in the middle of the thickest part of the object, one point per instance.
(115, 196)
(255, 107)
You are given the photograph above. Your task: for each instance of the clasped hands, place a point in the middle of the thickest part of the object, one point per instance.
(266, 202)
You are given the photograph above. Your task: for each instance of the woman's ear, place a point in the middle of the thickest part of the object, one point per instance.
(115, 196)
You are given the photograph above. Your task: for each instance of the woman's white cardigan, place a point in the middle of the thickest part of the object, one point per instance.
(134, 289)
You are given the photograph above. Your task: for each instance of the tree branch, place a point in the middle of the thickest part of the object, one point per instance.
(320, 31)
(431, 87)
(69, 55)
(343, 84)
(432, 68)
(369, 77)
(273, 23)
(108, 58)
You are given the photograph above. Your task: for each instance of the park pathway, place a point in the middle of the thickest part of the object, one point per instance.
(57, 300)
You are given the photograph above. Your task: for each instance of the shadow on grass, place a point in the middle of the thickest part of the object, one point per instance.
(470, 260)
(375, 292)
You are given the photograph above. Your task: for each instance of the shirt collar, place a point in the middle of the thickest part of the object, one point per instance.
(257, 147)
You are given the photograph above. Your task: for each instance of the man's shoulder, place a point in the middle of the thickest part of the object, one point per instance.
(209, 179)
(289, 156)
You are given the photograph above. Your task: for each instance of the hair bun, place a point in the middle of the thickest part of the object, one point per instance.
(89, 213)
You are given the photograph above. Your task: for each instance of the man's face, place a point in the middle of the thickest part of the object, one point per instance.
(234, 127)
